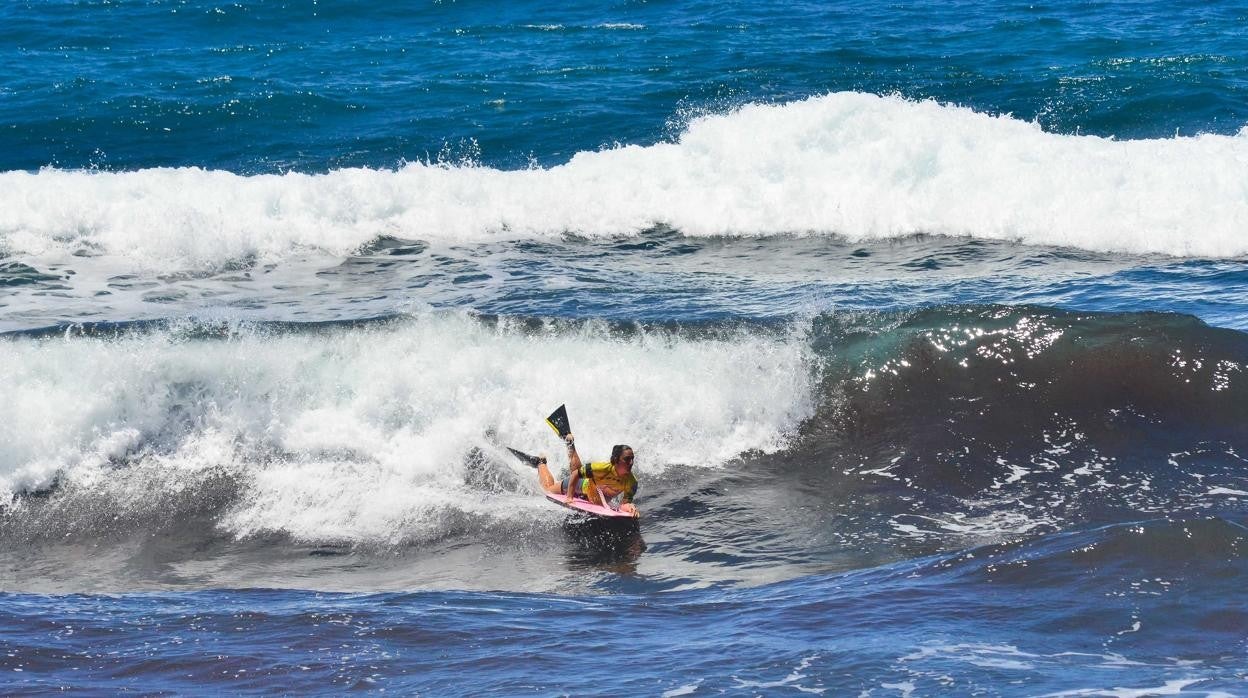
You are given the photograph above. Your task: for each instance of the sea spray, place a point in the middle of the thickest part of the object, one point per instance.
(367, 432)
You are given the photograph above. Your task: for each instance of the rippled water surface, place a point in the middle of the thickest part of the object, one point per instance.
(925, 321)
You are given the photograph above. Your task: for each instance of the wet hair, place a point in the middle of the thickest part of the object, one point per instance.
(617, 452)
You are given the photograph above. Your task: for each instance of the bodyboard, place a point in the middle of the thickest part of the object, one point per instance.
(588, 507)
(582, 505)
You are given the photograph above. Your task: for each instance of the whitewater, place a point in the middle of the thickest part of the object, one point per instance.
(926, 324)
(361, 435)
(858, 166)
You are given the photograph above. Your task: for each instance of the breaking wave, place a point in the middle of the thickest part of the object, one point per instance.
(386, 433)
(854, 165)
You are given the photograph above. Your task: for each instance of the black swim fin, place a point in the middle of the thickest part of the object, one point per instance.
(558, 420)
(533, 461)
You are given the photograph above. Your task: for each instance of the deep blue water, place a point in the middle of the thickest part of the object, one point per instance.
(925, 320)
(272, 86)
(974, 622)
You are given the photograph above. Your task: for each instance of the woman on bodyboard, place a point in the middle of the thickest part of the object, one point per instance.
(596, 482)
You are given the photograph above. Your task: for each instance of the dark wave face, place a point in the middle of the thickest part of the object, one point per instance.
(951, 427)
(926, 323)
(963, 401)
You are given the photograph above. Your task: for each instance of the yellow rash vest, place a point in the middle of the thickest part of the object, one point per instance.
(595, 476)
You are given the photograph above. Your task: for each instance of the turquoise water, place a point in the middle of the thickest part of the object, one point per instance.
(925, 320)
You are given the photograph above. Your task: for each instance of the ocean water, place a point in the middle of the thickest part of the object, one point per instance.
(927, 322)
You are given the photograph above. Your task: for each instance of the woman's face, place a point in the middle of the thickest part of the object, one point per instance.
(626, 462)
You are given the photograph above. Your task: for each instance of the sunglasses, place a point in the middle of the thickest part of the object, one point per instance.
(627, 459)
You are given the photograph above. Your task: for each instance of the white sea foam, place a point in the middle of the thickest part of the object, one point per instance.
(363, 434)
(852, 164)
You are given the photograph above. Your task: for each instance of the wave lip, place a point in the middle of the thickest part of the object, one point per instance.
(849, 164)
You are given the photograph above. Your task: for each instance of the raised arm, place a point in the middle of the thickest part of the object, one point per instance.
(574, 468)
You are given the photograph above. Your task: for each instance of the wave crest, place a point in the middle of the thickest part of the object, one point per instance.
(849, 164)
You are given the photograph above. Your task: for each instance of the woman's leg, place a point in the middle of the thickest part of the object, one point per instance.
(548, 481)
